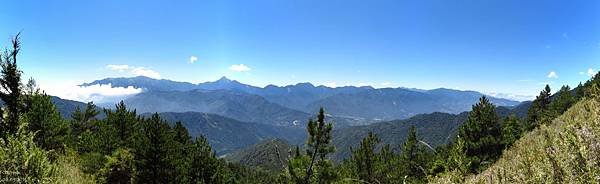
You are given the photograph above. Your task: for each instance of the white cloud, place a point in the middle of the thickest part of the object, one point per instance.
(141, 71)
(360, 84)
(331, 84)
(386, 83)
(552, 75)
(135, 70)
(511, 96)
(590, 72)
(120, 68)
(193, 59)
(239, 68)
(95, 93)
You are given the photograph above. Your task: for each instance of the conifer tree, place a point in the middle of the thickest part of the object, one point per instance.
(413, 158)
(124, 121)
(314, 167)
(539, 109)
(458, 160)
(511, 130)
(183, 146)
(579, 91)
(10, 89)
(204, 166)
(82, 120)
(51, 131)
(153, 153)
(482, 133)
(365, 158)
(562, 100)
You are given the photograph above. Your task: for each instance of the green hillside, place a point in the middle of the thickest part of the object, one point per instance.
(565, 151)
(270, 154)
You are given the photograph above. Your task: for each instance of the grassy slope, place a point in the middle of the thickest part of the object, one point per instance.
(566, 151)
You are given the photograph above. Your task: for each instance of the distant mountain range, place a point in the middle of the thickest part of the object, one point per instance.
(286, 104)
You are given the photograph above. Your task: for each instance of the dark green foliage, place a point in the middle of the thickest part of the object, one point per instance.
(561, 101)
(511, 130)
(414, 158)
(10, 89)
(51, 131)
(154, 145)
(482, 133)
(269, 155)
(539, 110)
(372, 163)
(365, 158)
(119, 167)
(92, 162)
(124, 122)
(227, 135)
(183, 145)
(83, 120)
(314, 167)
(204, 166)
(579, 91)
(436, 129)
(246, 175)
(591, 85)
(102, 139)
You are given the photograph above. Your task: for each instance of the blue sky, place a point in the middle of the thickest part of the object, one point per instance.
(504, 46)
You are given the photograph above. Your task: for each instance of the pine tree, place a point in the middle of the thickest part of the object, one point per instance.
(511, 130)
(458, 160)
(579, 91)
(51, 131)
(102, 139)
(10, 89)
(204, 166)
(562, 100)
(413, 158)
(154, 152)
(539, 109)
(82, 120)
(183, 145)
(365, 158)
(124, 121)
(314, 167)
(482, 134)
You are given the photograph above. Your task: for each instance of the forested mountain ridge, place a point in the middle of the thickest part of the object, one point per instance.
(399, 103)
(269, 154)
(435, 129)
